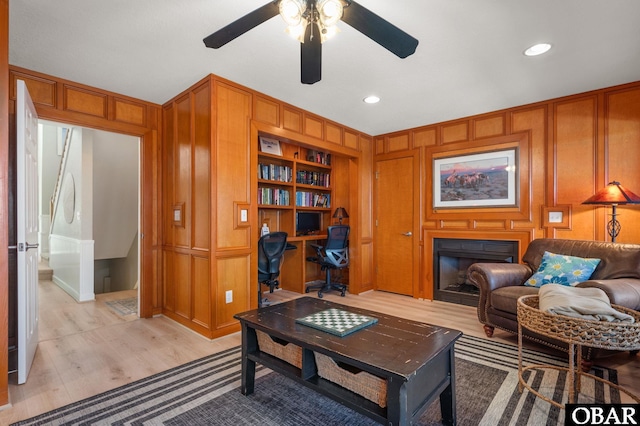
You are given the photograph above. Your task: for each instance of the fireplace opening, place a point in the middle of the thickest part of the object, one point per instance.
(451, 259)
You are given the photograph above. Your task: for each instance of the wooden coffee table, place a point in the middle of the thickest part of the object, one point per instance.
(415, 360)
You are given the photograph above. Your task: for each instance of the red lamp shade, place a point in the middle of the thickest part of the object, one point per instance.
(613, 193)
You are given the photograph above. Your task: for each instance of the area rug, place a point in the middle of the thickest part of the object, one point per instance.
(206, 392)
(124, 306)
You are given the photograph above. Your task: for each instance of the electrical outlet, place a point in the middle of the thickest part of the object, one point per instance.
(229, 296)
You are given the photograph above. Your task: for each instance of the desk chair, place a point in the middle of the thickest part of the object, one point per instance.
(333, 255)
(271, 249)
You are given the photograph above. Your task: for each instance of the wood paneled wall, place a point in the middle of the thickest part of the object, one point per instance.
(569, 148)
(209, 163)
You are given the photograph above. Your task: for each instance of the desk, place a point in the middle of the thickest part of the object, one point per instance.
(416, 360)
(576, 332)
(296, 271)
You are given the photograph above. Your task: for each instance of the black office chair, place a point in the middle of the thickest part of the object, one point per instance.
(333, 255)
(271, 249)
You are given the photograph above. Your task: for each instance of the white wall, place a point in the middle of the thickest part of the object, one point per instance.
(117, 274)
(124, 271)
(71, 244)
(115, 170)
(105, 170)
(72, 262)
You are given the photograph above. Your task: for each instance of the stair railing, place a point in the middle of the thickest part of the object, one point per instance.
(53, 203)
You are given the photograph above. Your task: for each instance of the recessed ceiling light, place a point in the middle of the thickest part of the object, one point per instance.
(371, 99)
(537, 49)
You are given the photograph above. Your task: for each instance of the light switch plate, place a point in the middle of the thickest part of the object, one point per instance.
(555, 217)
(178, 215)
(240, 215)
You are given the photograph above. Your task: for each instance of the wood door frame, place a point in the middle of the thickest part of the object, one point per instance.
(143, 210)
(149, 142)
(51, 105)
(417, 191)
(4, 202)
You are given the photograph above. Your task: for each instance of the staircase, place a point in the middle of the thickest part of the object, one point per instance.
(45, 273)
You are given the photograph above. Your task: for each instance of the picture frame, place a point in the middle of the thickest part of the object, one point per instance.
(270, 146)
(479, 180)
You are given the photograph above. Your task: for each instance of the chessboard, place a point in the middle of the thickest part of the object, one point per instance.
(337, 321)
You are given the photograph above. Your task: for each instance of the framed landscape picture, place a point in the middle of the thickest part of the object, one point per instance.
(485, 179)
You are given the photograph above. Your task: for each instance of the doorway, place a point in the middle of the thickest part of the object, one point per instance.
(104, 169)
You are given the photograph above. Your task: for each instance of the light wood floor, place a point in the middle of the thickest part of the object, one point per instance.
(87, 348)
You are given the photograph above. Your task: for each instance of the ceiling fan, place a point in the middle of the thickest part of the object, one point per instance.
(313, 21)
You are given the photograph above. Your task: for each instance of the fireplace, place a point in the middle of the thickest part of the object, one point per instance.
(452, 257)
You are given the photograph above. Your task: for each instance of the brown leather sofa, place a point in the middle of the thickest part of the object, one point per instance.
(501, 284)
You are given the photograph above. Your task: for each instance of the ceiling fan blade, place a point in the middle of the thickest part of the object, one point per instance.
(242, 25)
(379, 30)
(311, 56)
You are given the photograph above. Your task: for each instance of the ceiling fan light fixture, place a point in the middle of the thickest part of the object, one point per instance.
(328, 32)
(314, 21)
(330, 12)
(297, 31)
(292, 11)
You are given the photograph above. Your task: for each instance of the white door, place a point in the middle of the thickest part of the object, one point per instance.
(27, 230)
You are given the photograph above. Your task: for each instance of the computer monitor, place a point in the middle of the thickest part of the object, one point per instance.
(307, 223)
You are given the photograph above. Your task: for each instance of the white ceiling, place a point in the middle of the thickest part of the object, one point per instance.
(469, 59)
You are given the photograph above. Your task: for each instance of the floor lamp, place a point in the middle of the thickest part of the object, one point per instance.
(613, 195)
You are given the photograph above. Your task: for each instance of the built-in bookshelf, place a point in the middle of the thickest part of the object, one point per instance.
(296, 182)
(289, 183)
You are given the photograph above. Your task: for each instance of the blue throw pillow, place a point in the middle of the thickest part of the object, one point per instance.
(561, 269)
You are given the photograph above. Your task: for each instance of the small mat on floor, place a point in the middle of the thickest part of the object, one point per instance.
(124, 306)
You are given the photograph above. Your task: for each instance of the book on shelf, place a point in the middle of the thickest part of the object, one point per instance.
(312, 199)
(273, 197)
(318, 157)
(275, 172)
(313, 178)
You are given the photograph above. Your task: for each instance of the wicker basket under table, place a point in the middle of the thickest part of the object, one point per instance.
(364, 384)
(286, 352)
(576, 332)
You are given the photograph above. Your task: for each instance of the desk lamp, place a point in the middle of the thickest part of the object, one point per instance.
(340, 213)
